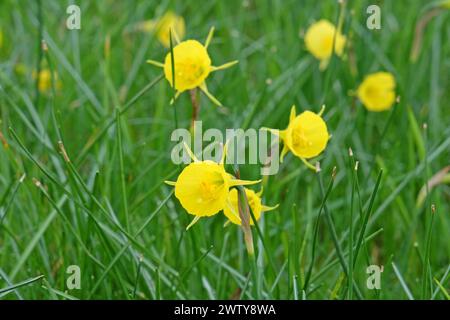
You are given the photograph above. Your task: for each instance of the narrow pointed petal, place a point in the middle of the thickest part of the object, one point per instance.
(321, 110)
(323, 64)
(175, 36)
(190, 153)
(277, 132)
(224, 66)
(204, 89)
(177, 94)
(194, 221)
(224, 152)
(155, 63)
(170, 183)
(308, 164)
(209, 37)
(292, 115)
(260, 193)
(273, 131)
(267, 208)
(239, 182)
(284, 152)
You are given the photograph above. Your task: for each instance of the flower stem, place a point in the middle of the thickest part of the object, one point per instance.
(244, 214)
(39, 54)
(195, 106)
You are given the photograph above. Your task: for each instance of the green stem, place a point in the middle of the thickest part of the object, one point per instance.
(122, 171)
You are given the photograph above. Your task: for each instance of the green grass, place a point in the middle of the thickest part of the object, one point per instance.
(82, 166)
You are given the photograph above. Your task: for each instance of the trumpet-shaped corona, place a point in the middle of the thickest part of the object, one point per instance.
(377, 91)
(191, 66)
(306, 135)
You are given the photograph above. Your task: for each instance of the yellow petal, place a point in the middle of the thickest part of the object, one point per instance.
(267, 208)
(259, 194)
(284, 152)
(323, 64)
(224, 152)
(322, 110)
(190, 153)
(239, 182)
(204, 89)
(292, 115)
(155, 63)
(308, 164)
(277, 132)
(177, 94)
(209, 37)
(224, 66)
(194, 221)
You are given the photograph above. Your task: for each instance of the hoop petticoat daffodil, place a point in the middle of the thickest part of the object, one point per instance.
(162, 26)
(377, 91)
(192, 66)
(45, 80)
(202, 187)
(306, 135)
(319, 40)
(231, 209)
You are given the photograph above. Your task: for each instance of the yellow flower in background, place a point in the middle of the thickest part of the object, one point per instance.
(445, 4)
(170, 21)
(319, 41)
(192, 66)
(231, 209)
(306, 135)
(162, 26)
(377, 91)
(45, 80)
(202, 187)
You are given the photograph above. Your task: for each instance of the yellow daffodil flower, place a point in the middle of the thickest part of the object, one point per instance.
(377, 91)
(306, 135)
(319, 41)
(45, 80)
(231, 209)
(202, 187)
(162, 26)
(192, 66)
